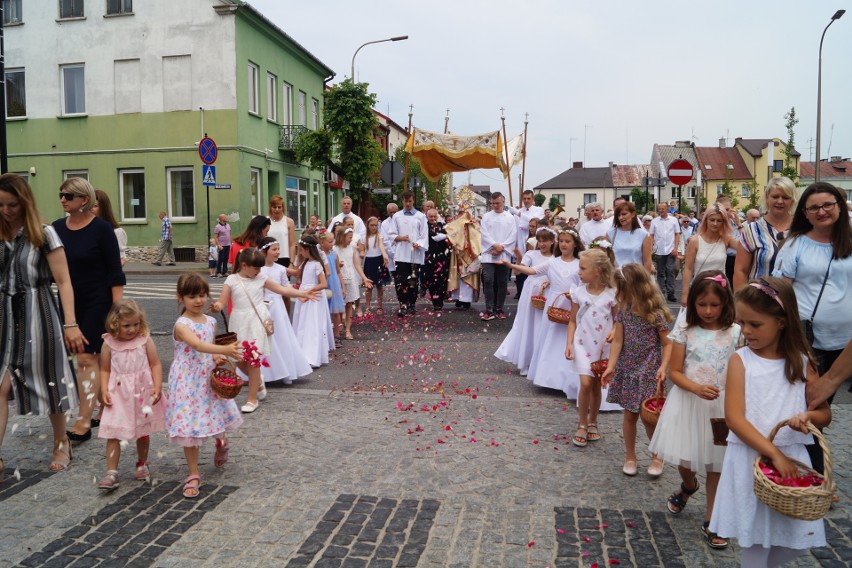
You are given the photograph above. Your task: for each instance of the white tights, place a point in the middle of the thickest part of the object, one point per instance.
(759, 557)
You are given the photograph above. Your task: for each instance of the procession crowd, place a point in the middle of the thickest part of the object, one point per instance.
(762, 318)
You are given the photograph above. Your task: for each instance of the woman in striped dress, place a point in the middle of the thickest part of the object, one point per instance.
(34, 368)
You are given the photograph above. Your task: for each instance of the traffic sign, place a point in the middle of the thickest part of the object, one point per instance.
(208, 176)
(680, 172)
(392, 172)
(223, 186)
(207, 150)
(380, 190)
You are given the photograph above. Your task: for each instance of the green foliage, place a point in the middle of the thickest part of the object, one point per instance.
(642, 201)
(539, 199)
(553, 203)
(789, 169)
(728, 187)
(347, 140)
(753, 196)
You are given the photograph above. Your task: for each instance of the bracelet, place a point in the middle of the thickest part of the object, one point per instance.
(70, 325)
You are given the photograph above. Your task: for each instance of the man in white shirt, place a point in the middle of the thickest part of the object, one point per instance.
(499, 237)
(666, 232)
(384, 229)
(360, 227)
(596, 226)
(409, 233)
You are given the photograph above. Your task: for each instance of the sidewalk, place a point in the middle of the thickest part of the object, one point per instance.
(147, 268)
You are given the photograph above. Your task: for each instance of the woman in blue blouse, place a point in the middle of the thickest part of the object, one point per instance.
(630, 242)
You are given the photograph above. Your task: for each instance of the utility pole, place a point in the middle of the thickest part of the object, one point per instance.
(4, 147)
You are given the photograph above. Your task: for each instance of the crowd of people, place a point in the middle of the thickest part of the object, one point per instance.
(760, 320)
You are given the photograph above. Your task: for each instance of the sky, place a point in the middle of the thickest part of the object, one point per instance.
(600, 81)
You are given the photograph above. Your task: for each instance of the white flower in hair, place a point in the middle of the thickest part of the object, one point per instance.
(600, 242)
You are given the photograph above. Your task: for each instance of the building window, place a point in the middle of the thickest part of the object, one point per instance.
(16, 93)
(73, 78)
(720, 189)
(745, 190)
(777, 165)
(12, 12)
(588, 198)
(82, 174)
(253, 94)
(315, 114)
(690, 192)
(287, 94)
(71, 9)
(181, 187)
(119, 7)
(297, 200)
(131, 184)
(256, 191)
(315, 199)
(272, 97)
(303, 98)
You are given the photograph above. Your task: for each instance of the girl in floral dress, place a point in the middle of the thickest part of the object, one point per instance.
(194, 412)
(131, 379)
(639, 355)
(591, 323)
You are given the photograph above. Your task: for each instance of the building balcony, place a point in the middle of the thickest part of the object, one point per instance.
(288, 137)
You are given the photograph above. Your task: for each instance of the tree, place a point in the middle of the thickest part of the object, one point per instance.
(346, 143)
(642, 201)
(789, 169)
(553, 203)
(539, 199)
(728, 186)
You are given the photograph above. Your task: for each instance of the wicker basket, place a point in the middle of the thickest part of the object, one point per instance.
(803, 503)
(559, 315)
(225, 338)
(538, 300)
(225, 382)
(648, 415)
(720, 431)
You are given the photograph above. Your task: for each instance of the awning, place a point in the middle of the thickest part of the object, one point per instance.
(439, 153)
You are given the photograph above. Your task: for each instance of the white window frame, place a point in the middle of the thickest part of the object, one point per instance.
(125, 7)
(23, 73)
(303, 111)
(82, 174)
(720, 189)
(690, 192)
(253, 88)
(12, 12)
(315, 113)
(80, 3)
(300, 192)
(62, 87)
(170, 194)
(745, 191)
(287, 95)
(315, 199)
(121, 189)
(589, 198)
(256, 187)
(271, 97)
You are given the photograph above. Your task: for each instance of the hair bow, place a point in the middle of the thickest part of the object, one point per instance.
(719, 279)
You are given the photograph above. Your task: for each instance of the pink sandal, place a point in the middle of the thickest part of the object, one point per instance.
(191, 491)
(220, 458)
(142, 473)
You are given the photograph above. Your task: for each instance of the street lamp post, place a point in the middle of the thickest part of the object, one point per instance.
(397, 38)
(837, 15)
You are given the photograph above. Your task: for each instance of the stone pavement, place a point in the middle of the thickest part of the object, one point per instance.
(422, 461)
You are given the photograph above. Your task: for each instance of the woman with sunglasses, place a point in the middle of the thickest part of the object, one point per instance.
(817, 258)
(94, 263)
(761, 239)
(34, 367)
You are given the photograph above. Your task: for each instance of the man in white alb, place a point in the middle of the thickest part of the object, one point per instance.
(499, 237)
(528, 210)
(410, 235)
(360, 227)
(596, 226)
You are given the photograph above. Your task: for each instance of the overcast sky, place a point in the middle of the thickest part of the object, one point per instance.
(602, 80)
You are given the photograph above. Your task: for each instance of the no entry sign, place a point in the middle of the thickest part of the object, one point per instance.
(680, 172)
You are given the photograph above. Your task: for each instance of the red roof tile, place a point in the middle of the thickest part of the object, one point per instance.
(718, 160)
(840, 169)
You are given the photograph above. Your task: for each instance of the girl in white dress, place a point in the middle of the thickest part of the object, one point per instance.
(592, 315)
(287, 362)
(347, 252)
(518, 346)
(699, 367)
(245, 290)
(312, 320)
(548, 367)
(765, 385)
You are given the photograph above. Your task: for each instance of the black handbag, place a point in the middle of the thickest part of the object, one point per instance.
(808, 324)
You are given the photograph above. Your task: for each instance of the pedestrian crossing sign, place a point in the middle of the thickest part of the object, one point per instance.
(208, 175)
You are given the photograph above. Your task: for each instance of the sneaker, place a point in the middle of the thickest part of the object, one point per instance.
(401, 312)
(671, 298)
(157, 263)
(411, 310)
(487, 316)
(171, 264)
(501, 315)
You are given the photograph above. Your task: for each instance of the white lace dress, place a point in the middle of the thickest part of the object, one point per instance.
(737, 513)
(247, 324)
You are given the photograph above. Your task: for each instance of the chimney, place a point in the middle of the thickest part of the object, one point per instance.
(723, 143)
(682, 144)
(577, 166)
(835, 159)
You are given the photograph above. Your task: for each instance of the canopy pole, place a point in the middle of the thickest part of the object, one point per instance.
(524, 163)
(506, 152)
(410, 132)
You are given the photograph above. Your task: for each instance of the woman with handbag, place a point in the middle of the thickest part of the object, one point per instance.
(817, 259)
(250, 318)
(707, 251)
